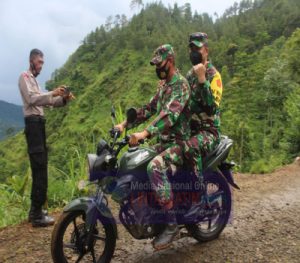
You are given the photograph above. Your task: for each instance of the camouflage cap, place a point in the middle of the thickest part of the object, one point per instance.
(162, 53)
(199, 39)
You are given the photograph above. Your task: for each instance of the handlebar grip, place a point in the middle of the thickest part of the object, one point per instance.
(127, 139)
(114, 131)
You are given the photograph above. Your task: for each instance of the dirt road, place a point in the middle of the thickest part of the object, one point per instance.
(265, 227)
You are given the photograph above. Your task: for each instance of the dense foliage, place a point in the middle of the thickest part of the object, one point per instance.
(11, 119)
(255, 46)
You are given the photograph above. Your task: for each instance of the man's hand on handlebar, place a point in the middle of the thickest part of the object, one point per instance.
(135, 138)
(115, 132)
(121, 126)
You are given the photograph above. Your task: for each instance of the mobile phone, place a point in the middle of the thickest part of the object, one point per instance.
(67, 91)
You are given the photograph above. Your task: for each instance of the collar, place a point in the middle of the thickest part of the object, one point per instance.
(209, 65)
(174, 79)
(30, 73)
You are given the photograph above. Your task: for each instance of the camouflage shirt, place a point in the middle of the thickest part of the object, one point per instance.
(206, 98)
(171, 105)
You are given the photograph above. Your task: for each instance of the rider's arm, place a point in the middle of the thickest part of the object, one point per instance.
(143, 113)
(209, 94)
(207, 98)
(148, 110)
(178, 99)
(32, 95)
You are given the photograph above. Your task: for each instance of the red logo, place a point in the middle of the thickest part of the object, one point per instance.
(219, 83)
(25, 75)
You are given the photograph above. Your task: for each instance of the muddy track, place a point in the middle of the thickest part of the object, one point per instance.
(264, 227)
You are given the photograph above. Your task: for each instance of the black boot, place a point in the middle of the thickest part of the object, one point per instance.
(165, 238)
(39, 219)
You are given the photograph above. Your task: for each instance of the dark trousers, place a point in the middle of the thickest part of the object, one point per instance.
(38, 155)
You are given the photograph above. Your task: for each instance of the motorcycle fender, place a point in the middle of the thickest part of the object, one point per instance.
(80, 204)
(228, 175)
(91, 209)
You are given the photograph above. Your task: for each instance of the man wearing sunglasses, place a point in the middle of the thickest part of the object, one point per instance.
(171, 105)
(206, 93)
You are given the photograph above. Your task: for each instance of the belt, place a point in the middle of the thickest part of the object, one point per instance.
(35, 118)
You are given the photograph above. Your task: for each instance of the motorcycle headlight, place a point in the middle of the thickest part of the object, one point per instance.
(91, 158)
(102, 145)
(98, 165)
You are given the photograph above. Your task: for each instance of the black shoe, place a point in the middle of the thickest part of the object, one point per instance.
(165, 238)
(38, 218)
(42, 221)
(31, 214)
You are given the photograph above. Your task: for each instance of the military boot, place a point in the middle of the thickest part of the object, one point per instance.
(165, 238)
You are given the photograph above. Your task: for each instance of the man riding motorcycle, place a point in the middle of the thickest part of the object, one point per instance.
(171, 105)
(206, 93)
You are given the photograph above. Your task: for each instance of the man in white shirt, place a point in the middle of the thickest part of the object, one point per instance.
(34, 101)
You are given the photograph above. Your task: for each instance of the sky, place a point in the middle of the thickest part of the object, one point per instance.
(57, 27)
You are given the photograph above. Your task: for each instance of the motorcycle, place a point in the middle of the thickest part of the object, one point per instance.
(87, 231)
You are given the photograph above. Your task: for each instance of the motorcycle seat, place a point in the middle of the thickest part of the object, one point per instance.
(218, 154)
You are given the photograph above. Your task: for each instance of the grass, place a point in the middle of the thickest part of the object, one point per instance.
(62, 188)
(62, 182)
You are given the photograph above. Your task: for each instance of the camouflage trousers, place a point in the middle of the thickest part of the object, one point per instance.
(198, 146)
(164, 165)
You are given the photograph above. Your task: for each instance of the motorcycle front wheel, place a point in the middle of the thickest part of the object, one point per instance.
(71, 241)
(218, 209)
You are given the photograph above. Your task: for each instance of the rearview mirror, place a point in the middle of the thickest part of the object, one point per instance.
(131, 115)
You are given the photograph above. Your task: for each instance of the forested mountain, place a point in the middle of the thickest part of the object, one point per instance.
(11, 119)
(254, 44)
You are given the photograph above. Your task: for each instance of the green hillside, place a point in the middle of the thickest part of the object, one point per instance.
(255, 46)
(11, 119)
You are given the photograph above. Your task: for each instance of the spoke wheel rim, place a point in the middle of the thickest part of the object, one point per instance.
(214, 197)
(76, 248)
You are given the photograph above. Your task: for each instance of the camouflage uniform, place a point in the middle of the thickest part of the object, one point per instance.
(171, 124)
(205, 123)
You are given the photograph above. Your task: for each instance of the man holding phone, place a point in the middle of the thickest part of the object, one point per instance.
(34, 101)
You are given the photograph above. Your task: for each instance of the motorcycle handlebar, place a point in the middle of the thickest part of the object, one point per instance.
(115, 132)
(126, 139)
(142, 141)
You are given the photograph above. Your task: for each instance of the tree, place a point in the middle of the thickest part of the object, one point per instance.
(136, 3)
(124, 21)
(108, 23)
(187, 12)
(10, 131)
(232, 49)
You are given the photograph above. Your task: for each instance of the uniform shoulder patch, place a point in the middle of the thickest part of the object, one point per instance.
(219, 83)
(25, 75)
(217, 88)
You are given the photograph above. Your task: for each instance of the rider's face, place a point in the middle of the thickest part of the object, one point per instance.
(162, 64)
(202, 50)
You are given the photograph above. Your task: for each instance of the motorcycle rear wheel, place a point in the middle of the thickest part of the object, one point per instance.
(215, 225)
